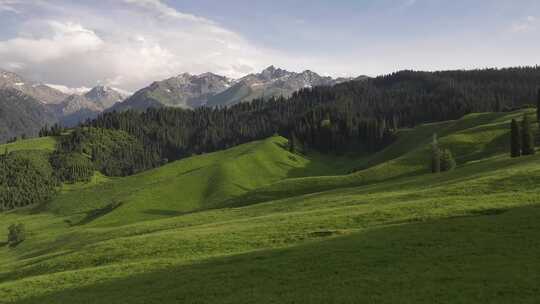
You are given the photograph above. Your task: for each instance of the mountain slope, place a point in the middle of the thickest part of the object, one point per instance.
(21, 114)
(185, 91)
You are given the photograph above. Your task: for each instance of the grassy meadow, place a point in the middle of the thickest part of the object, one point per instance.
(258, 224)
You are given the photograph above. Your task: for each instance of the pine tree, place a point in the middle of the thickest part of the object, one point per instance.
(538, 106)
(435, 155)
(447, 161)
(527, 138)
(292, 144)
(515, 139)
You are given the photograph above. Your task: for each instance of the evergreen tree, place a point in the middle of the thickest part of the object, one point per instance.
(16, 234)
(435, 155)
(292, 143)
(527, 138)
(538, 106)
(447, 161)
(515, 139)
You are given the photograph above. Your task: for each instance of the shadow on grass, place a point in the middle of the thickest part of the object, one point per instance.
(461, 260)
(97, 213)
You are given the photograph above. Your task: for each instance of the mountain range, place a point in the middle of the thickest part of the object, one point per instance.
(208, 89)
(25, 106)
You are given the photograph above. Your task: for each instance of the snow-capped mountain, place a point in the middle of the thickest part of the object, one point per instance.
(41, 92)
(271, 82)
(68, 109)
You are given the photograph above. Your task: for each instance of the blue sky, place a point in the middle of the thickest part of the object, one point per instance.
(129, 43)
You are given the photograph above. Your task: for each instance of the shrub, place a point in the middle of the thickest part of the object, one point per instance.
(447, 161)
(16, 234)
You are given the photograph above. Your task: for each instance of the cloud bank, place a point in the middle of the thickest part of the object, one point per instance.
(126, 43)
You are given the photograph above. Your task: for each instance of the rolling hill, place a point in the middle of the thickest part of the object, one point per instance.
(257, 223)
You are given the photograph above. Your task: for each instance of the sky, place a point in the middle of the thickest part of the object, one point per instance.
(130, 43)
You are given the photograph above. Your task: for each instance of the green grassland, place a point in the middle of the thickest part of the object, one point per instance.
(257, 224)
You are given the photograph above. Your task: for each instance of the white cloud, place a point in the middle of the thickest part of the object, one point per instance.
(64, 39)
(130, 45)
(67, 90)
(166, 11)
(8, 6)
(525, 25)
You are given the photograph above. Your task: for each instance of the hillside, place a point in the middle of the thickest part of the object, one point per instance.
(256, 223)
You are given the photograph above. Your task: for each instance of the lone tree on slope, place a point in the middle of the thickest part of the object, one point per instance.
(515, 139)
(447, 161)
(527, 138)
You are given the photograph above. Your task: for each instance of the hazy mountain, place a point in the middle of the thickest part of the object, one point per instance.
(22, 114)
(105, 97)
(184, 91)
(192, 91)
(76, 108)
(41, 92)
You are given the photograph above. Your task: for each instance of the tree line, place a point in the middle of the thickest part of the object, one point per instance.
(352, 116)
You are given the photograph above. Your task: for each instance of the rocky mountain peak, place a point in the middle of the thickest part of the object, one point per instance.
(272, 72)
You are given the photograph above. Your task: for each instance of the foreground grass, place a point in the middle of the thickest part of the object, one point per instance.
(488, 258)
(466, 236)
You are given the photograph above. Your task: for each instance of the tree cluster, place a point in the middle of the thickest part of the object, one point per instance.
(26, 178)
(54, 130)
(113, 152)
(71, 167)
